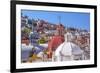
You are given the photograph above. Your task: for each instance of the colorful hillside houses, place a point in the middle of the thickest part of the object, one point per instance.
(43, 41)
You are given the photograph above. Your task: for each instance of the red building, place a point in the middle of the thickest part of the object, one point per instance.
(56, 40)
(54, 43)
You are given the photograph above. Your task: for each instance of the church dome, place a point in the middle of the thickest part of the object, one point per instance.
(68, 51)
(68, 48)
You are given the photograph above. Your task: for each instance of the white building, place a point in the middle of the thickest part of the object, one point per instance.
(25, 51)
(68, 51)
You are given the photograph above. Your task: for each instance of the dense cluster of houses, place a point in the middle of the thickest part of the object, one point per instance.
(45, 41)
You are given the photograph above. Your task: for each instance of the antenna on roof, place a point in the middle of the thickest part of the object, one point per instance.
(59, 18)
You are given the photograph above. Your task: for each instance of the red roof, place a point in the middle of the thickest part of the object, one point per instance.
(55, 42)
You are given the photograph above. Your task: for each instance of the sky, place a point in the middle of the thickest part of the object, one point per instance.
(68, 19)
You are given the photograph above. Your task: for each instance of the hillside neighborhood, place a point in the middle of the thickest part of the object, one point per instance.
(43, 41)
